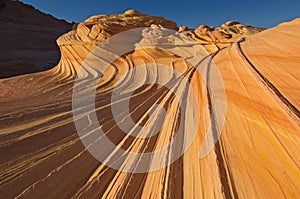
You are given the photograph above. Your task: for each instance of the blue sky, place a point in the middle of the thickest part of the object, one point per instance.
(191, 13)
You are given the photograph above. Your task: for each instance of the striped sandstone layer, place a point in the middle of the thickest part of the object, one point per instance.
(257, 155)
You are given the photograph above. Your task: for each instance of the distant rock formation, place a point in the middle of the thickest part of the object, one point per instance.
(28, 39)
(98, 28)
(227, 33)
(215, 38)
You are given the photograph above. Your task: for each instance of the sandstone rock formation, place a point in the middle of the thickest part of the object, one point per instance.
(256, 156)
(215, 38)
(28, 39)
(98, 28)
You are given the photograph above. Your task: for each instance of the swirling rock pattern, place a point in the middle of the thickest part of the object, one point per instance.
(98, 28)
(257, 155)
(216, 38)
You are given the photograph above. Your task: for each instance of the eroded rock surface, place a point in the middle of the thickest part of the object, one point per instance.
(257, 153)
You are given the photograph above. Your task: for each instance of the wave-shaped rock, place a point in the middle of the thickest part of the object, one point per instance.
(98, 28)
(42, 154)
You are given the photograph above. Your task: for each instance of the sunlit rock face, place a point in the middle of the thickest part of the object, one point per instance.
(98, 28)
(43, 154)
(214, 38)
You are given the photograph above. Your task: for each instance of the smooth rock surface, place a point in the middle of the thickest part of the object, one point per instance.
(257, 155)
